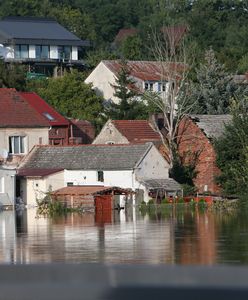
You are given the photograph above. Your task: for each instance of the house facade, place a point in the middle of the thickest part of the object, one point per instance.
(42, 44)
(21, 127)
(196, 134)
(124, 166)
(147, 76)
(126, 131)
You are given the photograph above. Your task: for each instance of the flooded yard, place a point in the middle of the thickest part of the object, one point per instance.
(172, 236)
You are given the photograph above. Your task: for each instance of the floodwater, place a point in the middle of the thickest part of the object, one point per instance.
(171, 236)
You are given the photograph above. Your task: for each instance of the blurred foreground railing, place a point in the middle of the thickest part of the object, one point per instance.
(94, 281)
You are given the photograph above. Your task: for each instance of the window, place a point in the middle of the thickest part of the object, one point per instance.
(110, 143)
(21, 51)
(159, 87)
(41, 52)
(64, 52)
(151, 86)
(17, 144)
(100, 176)
(1, 185)
(146, 86)
(48, 116)
(69, 183)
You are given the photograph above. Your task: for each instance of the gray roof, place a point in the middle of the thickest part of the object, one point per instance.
(87, 157)
(168, 184)
(36, 30)
(212, 125)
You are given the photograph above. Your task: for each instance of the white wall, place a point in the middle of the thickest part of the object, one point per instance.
(153, 166)
(108, 134)
(7, 179)
(74, 53)
(36, 188)
(7, 52)
(102, 78)
(54, 52)
(32, 53)
(32, 135)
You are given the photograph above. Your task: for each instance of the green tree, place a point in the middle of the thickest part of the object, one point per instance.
(232, 156)
(214, 88)
(71, 97)
(12, 76)
(129, 106)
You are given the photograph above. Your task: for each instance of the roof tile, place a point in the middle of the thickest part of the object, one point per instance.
(16, 112)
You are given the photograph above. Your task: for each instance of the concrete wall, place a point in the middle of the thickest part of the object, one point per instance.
(109, 134)
(36, 188)
(102, 78)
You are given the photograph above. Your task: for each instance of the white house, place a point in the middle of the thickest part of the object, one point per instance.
(21, 127)
(41, 43)
(124, 166)
(147, 76)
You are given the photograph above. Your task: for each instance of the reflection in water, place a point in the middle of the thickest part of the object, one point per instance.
(177, 235)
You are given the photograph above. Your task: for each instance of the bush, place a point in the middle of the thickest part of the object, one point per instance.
(180, 200)
(165, 201)
(188, 190)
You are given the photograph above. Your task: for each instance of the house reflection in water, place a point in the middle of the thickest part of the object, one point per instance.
(197, 242)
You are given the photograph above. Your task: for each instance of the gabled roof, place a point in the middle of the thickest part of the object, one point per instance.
(44, 109)
(136, 130)
(28, 30)
(16, 112)
(212, 125)
(86, 157)
(125, 33)
(146, 70)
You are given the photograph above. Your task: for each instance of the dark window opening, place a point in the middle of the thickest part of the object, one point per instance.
(100, 176)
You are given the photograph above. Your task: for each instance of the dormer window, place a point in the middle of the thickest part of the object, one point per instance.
(48, 116)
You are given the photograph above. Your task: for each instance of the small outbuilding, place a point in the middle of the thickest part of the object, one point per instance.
(96, 198)
(161, 188)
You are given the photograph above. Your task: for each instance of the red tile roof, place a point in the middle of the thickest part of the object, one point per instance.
(16, 112)
(175, 33)
(136, 130)
(125, 33)
(147, 70)
(42, 107)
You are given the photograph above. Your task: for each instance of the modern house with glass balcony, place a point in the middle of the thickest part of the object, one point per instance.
(42, 44)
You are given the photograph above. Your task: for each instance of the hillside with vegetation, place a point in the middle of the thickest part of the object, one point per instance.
(220, 24)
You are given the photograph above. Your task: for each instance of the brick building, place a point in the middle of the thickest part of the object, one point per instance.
(195, 144)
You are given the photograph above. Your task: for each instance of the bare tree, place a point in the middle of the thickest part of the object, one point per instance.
(172, 99)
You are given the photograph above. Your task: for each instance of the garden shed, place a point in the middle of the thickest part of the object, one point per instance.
(90, 197)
